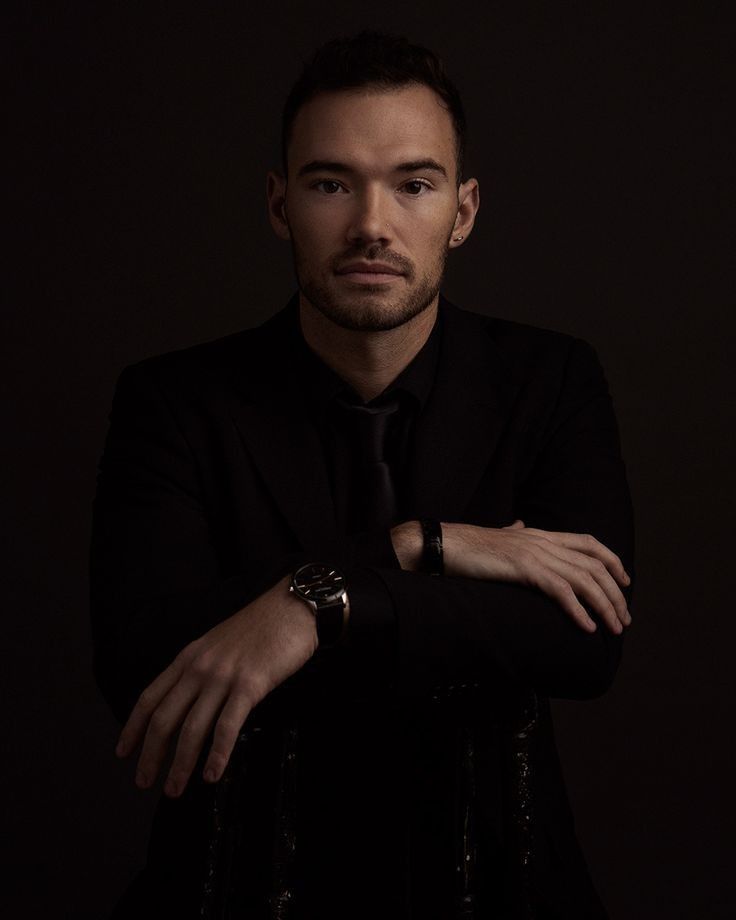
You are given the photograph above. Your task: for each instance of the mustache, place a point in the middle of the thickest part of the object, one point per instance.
(375, 253)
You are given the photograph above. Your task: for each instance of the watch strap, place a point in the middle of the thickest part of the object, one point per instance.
(330, 622)
(432, 553)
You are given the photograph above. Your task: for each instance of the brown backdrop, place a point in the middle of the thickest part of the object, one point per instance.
(140, 143)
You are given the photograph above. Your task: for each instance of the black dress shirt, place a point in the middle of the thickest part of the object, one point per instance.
(372, 618)
(359, 817)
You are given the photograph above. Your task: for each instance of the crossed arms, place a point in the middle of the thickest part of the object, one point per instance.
(541, 606)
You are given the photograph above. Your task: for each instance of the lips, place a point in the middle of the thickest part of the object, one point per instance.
(370, 274)
(368, 268)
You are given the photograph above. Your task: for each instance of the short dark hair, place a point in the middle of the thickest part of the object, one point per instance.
(373, 59)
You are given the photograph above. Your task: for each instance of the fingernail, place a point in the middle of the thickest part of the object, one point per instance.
(591, 626)
(121, 749)
(210, 774)
(141, 780)
(171, 788)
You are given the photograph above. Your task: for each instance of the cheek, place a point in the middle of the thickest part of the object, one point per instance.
(313, 233)
(435, 242)
(436, 229)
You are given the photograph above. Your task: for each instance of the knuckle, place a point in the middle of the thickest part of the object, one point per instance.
(189, 733)
(188, 657)
(200, 667)
(249, 687)
(227, 727)
(145, 703)
(159, 723)
(618, 599)
(207, 668)
(186, 654)
(609, 612)
(560, 586)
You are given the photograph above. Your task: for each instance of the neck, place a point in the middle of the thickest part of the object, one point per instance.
(368, 361)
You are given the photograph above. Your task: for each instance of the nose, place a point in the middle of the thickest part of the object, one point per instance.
(370, 219)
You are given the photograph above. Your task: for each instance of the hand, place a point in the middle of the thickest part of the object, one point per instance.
(565, 566)
(218, 679)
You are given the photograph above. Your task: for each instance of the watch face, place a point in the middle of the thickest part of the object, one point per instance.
(318, 582)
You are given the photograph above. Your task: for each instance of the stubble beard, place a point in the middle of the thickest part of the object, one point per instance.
(371, 308)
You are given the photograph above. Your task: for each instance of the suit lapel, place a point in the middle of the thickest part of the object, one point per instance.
(455, 438)
(270, 415)
(464, 417)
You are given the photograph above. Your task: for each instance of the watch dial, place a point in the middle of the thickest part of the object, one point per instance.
(318, 581)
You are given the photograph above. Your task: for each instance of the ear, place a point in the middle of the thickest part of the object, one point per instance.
(468, 196)
(276, 196)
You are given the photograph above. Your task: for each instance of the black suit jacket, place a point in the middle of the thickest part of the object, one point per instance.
(213, 484)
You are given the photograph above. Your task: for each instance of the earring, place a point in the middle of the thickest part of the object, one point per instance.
(458, 238)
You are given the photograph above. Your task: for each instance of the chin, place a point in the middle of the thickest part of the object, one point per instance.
(370, 310)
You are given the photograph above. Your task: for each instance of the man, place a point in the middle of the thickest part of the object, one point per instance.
(341, 561)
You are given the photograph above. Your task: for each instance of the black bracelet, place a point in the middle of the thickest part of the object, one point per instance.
(432, 556)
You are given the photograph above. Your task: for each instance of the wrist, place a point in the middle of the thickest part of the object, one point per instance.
(408, 544)
(296, 608)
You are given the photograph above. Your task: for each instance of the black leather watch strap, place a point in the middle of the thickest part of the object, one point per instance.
(330, 623)
(432, 555)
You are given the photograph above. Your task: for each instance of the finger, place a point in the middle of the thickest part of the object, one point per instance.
(560, 590)
(194, 730)
(135, 728)
(599, 572)
(587, 544)
(587, 589)
(164, 722)
(234, 713)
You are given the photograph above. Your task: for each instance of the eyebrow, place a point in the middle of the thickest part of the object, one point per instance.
(332, 166)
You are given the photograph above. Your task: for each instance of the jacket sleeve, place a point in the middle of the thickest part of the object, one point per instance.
(156, 581)
(510, 637)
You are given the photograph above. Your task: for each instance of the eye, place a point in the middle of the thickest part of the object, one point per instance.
(416, 187)
(328, 186)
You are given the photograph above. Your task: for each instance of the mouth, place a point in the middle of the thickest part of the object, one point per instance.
(369, 273)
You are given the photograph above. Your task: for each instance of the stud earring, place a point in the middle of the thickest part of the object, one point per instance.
(458, 238)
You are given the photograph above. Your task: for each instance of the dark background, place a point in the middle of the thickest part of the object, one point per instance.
(140, 137)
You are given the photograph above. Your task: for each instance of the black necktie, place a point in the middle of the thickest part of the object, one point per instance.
(373, 493)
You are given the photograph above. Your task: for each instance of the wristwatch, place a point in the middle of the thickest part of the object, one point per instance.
(322, 587)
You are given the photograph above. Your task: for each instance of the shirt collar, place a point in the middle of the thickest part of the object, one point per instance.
(323, 384)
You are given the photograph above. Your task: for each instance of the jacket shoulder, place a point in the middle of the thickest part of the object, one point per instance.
(521, 346)
(246, 355)
(204, 358)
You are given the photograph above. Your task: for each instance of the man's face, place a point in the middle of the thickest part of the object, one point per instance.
(370, 203)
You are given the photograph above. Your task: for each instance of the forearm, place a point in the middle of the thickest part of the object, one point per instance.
(504, 636)
(142, 617)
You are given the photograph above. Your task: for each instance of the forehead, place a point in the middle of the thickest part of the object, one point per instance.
(373, 128)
